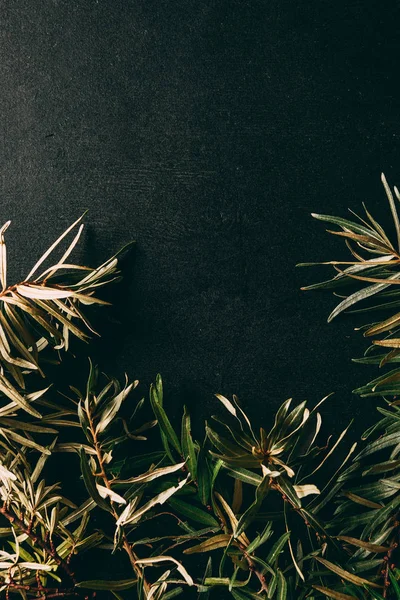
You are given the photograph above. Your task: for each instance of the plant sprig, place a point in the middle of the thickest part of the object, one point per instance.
(247, 512)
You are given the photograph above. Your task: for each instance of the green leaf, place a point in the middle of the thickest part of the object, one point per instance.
(224, 445)
(243, 594)
(155, 560)
(24, 441)
(260, 539)
(173, 593)
(249, 514)
(375, 548)
(207, 573)
(360, 295)
(111, 409)
(17, 424)
(213, 543)
(394, 583)
(163, 420)
(101, 584)
(360, 581)
(379, 444)
(345, 224)
(130, 515)
(203, 478)
(277, 548)
(383, 467)
(281, 589)
(192, 512)
(11, 393)
(90, 482)
(159, 388)
(188, 449)
(332, 594)
(288, 490)
(153, 474)
(243, 475)
(392, 208)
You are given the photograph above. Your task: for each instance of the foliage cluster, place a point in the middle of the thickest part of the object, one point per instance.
(243, 512)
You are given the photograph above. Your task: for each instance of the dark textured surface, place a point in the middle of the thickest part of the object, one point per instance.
(208, 132)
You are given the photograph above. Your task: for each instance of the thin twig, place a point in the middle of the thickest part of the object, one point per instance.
(46, 592)
(125, 543)
(39, 542)
(257, 573)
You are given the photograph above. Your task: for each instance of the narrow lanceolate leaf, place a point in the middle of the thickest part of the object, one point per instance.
(188, 449)
(24, 441)
(243, 475)
(42, 293)
(203, 478)
(345, 224)
(236, 593)
(281, 590)
(386, 325)
(366, 292)
(359, 500)
(228, 405)
(213, 543)
(260, 539)
(392, 208)
(237, 500)
(163, 420)
(52, 247)
(90, 482)
(52, 270)
(107, 493)
(154, 474)
(112, 409)
(86, 507)
(345, 574)
(155, 560)
(306, 490)
(8, 390)
(32, 566)
(134, 517)
(390, 343)
(17, 424)
(332, 594)
(287, 489)
(379, 444)
(3, 257)
(5, 474)
(388, 465)
(223, 445)
(249, 514)
(395, 583)
(376, 548)
(192, 512)
(277, 548)
(101, 584)
(243, 539)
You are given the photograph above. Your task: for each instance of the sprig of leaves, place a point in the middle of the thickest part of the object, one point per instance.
(266, 512)
(374, 276)
(38, 316)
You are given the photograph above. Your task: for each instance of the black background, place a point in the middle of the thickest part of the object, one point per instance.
(208, 132)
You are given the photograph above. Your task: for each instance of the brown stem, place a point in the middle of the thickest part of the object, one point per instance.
(46, 596)
(126, 545)
(38, 541)
(46, 592)
(386, 570)
(256, 572)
